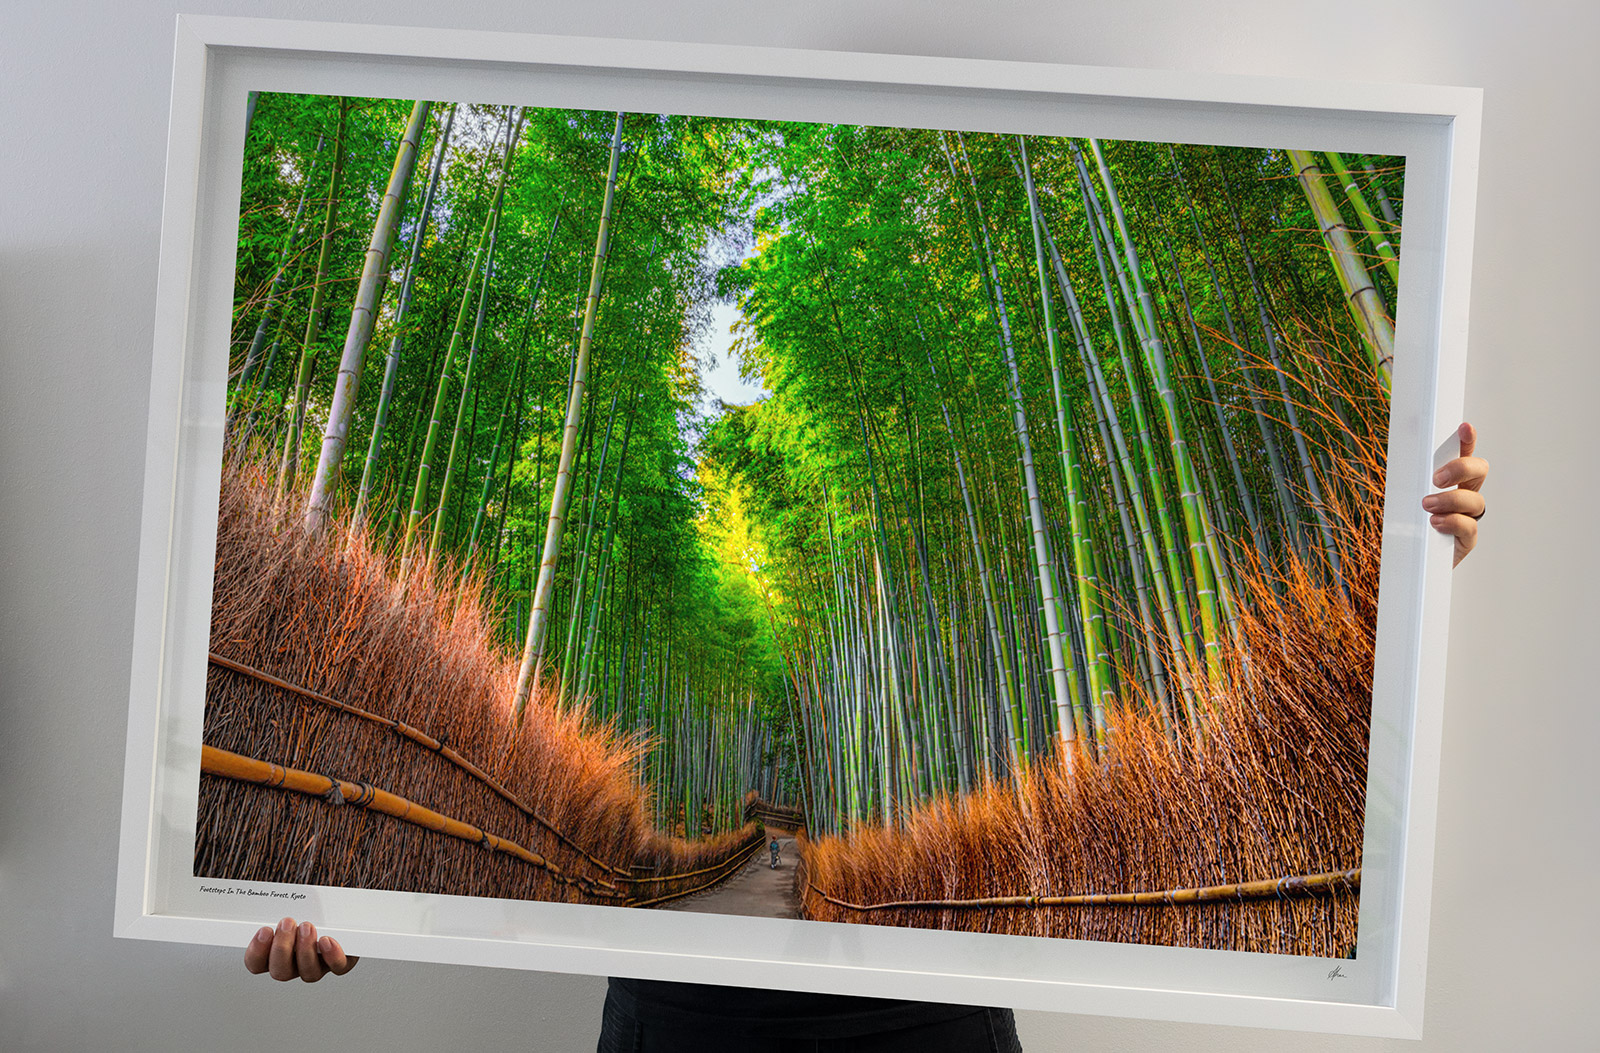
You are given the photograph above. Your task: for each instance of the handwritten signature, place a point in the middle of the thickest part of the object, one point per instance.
(1337, 974)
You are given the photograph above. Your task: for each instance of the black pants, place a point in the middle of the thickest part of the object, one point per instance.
(981, 1031)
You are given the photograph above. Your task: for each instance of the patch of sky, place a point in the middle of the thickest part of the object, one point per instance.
(724, 377)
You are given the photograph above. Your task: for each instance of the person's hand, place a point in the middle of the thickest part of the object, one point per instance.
(1456, 511)
(292, 951)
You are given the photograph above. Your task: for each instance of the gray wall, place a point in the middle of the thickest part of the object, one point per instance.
(83, 102)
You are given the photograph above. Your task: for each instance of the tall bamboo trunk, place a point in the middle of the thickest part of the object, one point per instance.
(363, 316)
(1061, 690)
(1369, 222)
(588, 648)
(1126, 490)
(1361, 295)
(1146, 490)
(391, 365)
(1088, 606)
(419, 493)
(580, 579)
(308, 348)
(1269, 334)
(269, 310)
(447, 481)
(1269, 441)
(538, 621)
(513, 391)
(1208, 586)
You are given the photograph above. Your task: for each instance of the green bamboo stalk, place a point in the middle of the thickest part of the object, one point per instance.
(516, 427)
(1213, 495)
(1061, 689)
(1369, 222)
(513, 387)
(576, 616)
(1361, 296)
(1384, 204)
(1099, 675)
(363, 317)
(1292, 414)
(533, 647)
(1000, 653)
(605, 560)
(419, 493)
(308, 347)
(244, 389)
(1269, 441)
(391, 365)
(1223, 431)
(1206, 583)
(447, 480)
(1165, 565)
(1127, 491)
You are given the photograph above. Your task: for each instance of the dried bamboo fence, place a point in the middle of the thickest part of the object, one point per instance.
(327, 674)
(1303, 884)
(1251, 835)
(364, 795)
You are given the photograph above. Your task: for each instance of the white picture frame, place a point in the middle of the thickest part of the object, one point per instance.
(219, 60)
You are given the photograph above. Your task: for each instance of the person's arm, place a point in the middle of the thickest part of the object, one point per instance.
(293, 951)
(1456, 511)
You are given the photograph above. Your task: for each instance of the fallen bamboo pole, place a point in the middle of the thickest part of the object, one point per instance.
(214, 761)
(1337, 880)
(424, 740)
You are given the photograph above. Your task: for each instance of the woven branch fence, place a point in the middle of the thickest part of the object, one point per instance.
(325, 665)
(1276, 785)
(364, 795)
(1278, 888)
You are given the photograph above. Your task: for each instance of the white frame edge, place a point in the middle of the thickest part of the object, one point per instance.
(1450, 385)
(197, 36)
(159, 511)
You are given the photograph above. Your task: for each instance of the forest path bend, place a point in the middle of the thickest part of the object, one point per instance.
(757, 891)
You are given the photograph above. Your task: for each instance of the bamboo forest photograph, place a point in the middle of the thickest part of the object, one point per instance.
(865, 525)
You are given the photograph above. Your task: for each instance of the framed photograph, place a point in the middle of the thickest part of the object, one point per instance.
(871, 524)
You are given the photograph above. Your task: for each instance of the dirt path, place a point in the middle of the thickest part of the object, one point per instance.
(756, 891)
